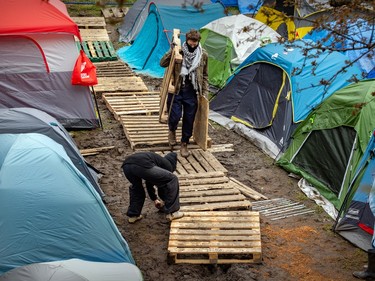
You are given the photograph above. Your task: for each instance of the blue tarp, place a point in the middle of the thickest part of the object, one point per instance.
(359, 31)
(249, 6)
(48, 210)
(153, 41)
(305, 72)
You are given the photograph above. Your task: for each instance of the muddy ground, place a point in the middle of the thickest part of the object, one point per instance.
(295, 248)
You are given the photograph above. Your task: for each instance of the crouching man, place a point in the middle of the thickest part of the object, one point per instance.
(157, 171)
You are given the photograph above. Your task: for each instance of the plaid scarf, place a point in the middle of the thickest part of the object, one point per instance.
(190, 64)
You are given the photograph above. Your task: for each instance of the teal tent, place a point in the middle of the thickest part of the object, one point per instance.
(48, 210)
(327, 147)
(154, 39)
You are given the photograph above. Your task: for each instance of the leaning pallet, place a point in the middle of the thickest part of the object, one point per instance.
(219, 237)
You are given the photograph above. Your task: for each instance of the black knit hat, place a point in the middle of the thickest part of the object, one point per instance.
(172, 158)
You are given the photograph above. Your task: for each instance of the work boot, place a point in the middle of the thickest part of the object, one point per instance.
(172, 138)
(174, 216)
(135, 219)
(184, 150)
(369, 273)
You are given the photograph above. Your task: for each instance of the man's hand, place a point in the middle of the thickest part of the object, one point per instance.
(159, 203)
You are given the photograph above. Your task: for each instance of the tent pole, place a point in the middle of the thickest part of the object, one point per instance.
(97, 107)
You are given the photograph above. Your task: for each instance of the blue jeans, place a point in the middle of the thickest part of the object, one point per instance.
(184, 105)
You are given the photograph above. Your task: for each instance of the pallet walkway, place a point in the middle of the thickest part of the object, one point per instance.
(113, 69)
(218, 237)
(210, 192)
(98, 51)
(120, 84)
(90, 22)
(117, 12)
(199, 165)
(146, 130)
(132, 103)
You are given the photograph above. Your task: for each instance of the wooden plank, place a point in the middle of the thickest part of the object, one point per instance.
(117, 12)
(200, 129)
(217, 206)
(94, 34)
(89, 22)
(166, 86)
(247, 190)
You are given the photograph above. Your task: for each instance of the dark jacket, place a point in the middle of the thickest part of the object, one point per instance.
(202, 72)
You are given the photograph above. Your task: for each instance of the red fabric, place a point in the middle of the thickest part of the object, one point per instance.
(35, 16)
(84, 72)
(366, 228)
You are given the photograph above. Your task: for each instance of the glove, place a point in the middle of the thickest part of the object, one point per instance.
(159, 204)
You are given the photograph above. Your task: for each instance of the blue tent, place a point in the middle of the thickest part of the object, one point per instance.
(48, 210)
(356, 220)
(274, 89)
(31, 120)
(305, 73)
(153, 41)
(359, 35)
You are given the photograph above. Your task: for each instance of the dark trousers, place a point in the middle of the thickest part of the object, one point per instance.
(165, 181)
(184, 104)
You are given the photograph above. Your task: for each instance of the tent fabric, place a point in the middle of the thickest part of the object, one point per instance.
(357, 32)
(343, 123)
(49, 210)
(305, 78)
(356, 220)
(74, 269)
(271, 92)
(154, 39)
(31, 120)
(37, 17)
(227, 3)
(249, 7)
(137, 15)
(36, 64)
(229, 41)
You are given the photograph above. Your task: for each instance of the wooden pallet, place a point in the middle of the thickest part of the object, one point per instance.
(200, 165)
(120, 84)
(98, 50)
(209, 191)
(219, 237)
(132, 103)
(113, 69)
(143, 131)
(94, 34)
(90, 22)
(117, 12)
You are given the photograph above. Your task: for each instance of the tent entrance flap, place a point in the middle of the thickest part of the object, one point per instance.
(338, 142)
(260, 98)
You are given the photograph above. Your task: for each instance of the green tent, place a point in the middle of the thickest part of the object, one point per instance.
(229, 41)
(327, 146)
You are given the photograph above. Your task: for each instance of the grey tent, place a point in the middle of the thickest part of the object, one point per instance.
(74, 270)
(137, 14)
(31, 120)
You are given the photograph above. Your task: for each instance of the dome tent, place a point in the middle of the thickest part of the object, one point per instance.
(49, 210)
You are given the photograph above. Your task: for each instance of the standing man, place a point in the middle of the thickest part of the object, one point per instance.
(190, 78)
(157, 171)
